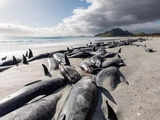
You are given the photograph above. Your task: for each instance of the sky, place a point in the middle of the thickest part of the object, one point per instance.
(77, 17)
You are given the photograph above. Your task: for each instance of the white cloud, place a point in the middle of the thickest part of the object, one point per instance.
(22, 30)
(3, 3)
(99, 16)
(106, 14)
(148, 27)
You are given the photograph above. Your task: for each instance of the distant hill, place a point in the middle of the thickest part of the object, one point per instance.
(117, 32)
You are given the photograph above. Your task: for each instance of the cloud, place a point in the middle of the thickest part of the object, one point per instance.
(106, 14)
(21, 30)
(148, 27)
(3, 3)
(100, 15)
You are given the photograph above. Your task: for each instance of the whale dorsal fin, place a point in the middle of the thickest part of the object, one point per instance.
(67, 60)
(30, 54)
(14, 60)
(25, 60)
(46, 71)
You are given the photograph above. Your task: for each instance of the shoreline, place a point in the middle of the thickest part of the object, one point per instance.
(139, 100)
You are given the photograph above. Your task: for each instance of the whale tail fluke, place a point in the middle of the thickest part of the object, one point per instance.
(46, 71)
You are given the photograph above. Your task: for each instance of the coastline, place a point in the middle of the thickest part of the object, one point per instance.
(139, 100)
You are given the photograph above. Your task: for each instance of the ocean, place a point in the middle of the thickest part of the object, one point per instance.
(17, 46)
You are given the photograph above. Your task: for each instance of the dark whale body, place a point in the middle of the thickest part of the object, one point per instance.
(44, 109)
(28, 93)
(9, 62)
(81, 101)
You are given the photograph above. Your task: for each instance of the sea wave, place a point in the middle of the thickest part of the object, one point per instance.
(17, 46)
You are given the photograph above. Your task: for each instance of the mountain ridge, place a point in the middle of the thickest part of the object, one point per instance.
(118, 32)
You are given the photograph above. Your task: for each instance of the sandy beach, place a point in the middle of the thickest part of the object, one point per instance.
(138, 101)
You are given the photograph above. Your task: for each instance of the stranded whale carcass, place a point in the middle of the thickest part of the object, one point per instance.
(28, 93)
(109, 78)
(81, 100)
(13, 61)
(44, 109)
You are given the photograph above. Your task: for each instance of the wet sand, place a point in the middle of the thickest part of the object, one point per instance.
(138, 101)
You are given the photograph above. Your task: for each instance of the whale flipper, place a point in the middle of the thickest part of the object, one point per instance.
(107, 94)
(111, 114)
(46, 71)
